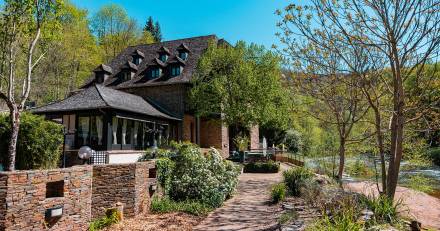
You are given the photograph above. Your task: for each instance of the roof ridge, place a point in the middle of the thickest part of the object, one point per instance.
(174, 40)
(100, 94)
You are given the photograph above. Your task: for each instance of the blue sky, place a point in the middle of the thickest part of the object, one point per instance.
(248, 20)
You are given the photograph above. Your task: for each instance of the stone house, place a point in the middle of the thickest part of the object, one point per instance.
(145, 86)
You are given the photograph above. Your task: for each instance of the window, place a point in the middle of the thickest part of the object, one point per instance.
(183, 55)
(137, 60)
(126, 75)
(175, 70)
(55, 189)
(155, 72)
(90, 130)
(163, 57)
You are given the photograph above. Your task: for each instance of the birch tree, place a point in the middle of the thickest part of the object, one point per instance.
(22, 22)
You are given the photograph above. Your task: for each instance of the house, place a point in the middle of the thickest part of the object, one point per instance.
(140, 100)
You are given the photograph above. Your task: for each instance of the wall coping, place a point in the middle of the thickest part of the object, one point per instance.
(69, 169)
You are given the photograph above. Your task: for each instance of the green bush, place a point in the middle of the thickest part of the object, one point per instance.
(112, 216)
(190, 175)
(293, 141)
(151, 153)
(278, 192)
(434, 154)
(166, 205)
(383, 208)
(295, 178)
(262, 167)
(39, 142)
(359, 168)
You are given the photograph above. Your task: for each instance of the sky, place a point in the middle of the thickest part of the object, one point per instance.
(248, 20)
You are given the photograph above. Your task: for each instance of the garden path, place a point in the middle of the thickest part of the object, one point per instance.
(250, 208)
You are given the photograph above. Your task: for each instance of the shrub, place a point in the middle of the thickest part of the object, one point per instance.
(287, 217)
(166, 205)
(190, 175)
(39, 142)
(151, 153)
(242, 142)
(434, 154)
(293, 141)
(295, 178)
(359, 168)
(262, 167)
(278, 192)
(383, 208)
(112, 216)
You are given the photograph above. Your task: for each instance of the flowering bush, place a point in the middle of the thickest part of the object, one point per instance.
(190, 175)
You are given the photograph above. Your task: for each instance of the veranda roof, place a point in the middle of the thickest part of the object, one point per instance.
(99, 97)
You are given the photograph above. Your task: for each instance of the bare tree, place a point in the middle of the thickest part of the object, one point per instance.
(405, 33)
(21, 26)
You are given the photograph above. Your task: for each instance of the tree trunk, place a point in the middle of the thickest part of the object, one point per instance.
(15, 127)
(341, 158)
(379, 137)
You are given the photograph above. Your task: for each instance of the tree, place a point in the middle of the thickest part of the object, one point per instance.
(403, 33)
(114, 30)
(69, 57)
(243, 83)
(22, 24)
(153, 28)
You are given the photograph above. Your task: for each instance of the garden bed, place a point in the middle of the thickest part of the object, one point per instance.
(261, 167)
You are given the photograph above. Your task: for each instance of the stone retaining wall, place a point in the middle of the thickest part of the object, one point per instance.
(26, 196)
(126, 183)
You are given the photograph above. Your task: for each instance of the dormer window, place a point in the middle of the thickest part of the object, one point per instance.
(155, 72)
(183, 55)
(163, 57)
(137, 60)
(176, 70)
(126, 75)
(138, 56)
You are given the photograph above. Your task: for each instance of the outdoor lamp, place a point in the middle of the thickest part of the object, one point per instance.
(85, 152)
(56, 211)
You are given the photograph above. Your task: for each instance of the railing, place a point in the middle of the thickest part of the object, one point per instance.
(99, 157)
(273, 154)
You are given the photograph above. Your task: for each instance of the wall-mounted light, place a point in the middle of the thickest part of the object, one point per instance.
(54, 212)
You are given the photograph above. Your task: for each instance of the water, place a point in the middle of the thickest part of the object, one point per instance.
(431, 172)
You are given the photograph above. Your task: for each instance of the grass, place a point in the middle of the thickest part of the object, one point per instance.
(112, 216)
(278, 192)
(295, 178)
(421, 183)
(287, 217)
(383, 208)
(166, 205)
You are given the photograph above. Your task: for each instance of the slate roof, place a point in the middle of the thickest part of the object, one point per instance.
(98, 96)
(195, 45)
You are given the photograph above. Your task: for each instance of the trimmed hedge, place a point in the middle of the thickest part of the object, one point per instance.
(262, 167)
(39, 142)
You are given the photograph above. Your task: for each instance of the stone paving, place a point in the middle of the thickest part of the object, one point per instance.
(250, 208)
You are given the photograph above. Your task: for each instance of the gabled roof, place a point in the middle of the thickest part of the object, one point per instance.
(164, 50)
(98, 97)
(196, 46)
(129, 65)
(183, 47)
(138, 53)
(177, 59)
(103, 67)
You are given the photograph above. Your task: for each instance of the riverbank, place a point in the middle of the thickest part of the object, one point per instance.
(417, 205)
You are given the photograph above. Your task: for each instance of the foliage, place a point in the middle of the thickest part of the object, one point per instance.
(420, 183)
(115, 30)
(262, 167)
(112, 216)
(39, 142)
(242, 82)
(153, 29)
(434, 154)
(295, 178)
(166, 205)
(293, 141)
(416, 152)
(359, 168)
(190, 175)
(383, 208)
(278, 192)
(152, 153)
(242, 142)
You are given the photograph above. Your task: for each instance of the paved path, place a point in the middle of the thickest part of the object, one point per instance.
(249, 209)
(419, 205)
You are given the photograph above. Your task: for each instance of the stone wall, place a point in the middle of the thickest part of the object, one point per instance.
(254, 137)
(26, 196)
(125, 183)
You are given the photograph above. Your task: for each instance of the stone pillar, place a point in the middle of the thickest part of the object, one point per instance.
(254, 135)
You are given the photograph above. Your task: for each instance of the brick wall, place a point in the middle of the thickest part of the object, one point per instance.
(23, 201)
(214, 134)
(125, 183)
(189, 128)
